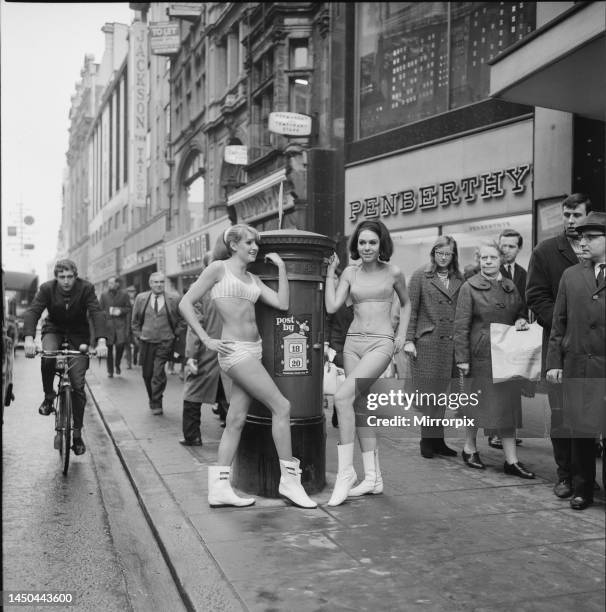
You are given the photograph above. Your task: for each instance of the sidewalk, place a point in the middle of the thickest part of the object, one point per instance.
(442, 536)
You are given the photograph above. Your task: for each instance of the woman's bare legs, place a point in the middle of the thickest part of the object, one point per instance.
(251, 380)
(371, 366)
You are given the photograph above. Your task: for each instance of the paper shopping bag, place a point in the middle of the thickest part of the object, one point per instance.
(515, 354)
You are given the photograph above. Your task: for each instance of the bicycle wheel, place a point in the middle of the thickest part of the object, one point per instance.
(65, 423)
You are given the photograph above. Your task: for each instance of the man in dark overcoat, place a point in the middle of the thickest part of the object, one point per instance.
(548, 261)
(510, 243)
(576, 357)
(116, 305)
(73, 311)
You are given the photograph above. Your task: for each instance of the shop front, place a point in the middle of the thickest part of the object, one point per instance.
(471, 188)
(184, 255)
(137, 267)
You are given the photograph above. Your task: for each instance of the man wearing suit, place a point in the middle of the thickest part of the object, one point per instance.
(576, 356)
(156, 323)
(548, 261)
(510, 243)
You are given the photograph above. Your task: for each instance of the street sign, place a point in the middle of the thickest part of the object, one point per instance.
(289, 124)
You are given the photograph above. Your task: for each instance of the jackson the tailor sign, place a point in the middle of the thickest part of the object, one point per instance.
(137, 76)
(480, 175)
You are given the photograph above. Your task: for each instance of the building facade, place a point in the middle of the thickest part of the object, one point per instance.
(430, 152)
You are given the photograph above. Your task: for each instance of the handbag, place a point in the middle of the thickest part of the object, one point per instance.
(515, 354)
(333, 377)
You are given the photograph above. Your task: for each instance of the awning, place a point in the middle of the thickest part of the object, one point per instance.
(252, 189)
(561, 65)
(20, 281)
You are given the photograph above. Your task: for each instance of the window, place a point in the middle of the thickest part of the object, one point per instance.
(418, 59)
(298, 54)
(299, 95)
(261, 136)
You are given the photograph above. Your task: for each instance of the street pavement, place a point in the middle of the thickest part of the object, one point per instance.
(441, 537)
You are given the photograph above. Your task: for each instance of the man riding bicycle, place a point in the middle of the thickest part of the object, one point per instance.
(71, 302)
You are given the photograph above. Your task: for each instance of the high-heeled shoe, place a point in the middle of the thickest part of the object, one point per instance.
(473, 460)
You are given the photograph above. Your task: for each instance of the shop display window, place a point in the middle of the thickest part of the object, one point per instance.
(418, 59)
(470, 233)
(411, 248)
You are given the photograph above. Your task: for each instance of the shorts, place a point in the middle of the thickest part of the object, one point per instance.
(357, 345)
(242, 350)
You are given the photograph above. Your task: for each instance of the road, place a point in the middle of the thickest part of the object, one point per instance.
(83, 533)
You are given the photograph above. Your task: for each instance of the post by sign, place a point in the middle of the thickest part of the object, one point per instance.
(292, 344)
(138, 113)
(289, 124)
(164, 37)
(236, 155)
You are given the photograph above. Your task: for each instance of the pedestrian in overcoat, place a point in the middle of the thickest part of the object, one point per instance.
(434, 290)
(548, 261)
(116, 305)
(488, 298)
(576, 356)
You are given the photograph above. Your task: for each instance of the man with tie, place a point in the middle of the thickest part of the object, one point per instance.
(576, 357)
(547, 263)
(156, 323)
(510, 242)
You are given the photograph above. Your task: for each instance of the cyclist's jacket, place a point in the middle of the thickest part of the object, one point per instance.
(76, 315)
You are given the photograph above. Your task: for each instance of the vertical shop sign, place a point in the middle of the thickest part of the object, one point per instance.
(137, 84)
(292, 356)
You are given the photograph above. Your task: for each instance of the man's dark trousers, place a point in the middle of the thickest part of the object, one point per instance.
(77, 371)
(153, 357)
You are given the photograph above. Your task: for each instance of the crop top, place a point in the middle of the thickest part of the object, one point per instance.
(380, 291)
(232, 287)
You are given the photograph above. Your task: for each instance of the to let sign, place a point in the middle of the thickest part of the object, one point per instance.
(289, 124)
(164, 37)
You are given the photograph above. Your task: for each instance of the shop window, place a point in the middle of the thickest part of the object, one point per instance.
(418, 59)
(470, 233)
(411, 248)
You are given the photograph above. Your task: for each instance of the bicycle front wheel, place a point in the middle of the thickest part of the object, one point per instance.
(65, 424)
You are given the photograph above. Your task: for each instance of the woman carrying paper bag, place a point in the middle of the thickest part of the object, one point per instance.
(488, 297)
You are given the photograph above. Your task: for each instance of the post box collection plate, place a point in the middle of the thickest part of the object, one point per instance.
(292, 333)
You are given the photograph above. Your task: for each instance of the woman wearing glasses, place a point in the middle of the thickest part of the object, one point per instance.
(434, 290)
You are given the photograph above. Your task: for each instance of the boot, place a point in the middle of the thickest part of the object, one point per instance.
(290, 484)
(220, 492)
(346, 475)
(373, 481)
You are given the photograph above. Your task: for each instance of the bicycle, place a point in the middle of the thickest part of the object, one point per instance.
(63, 397)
